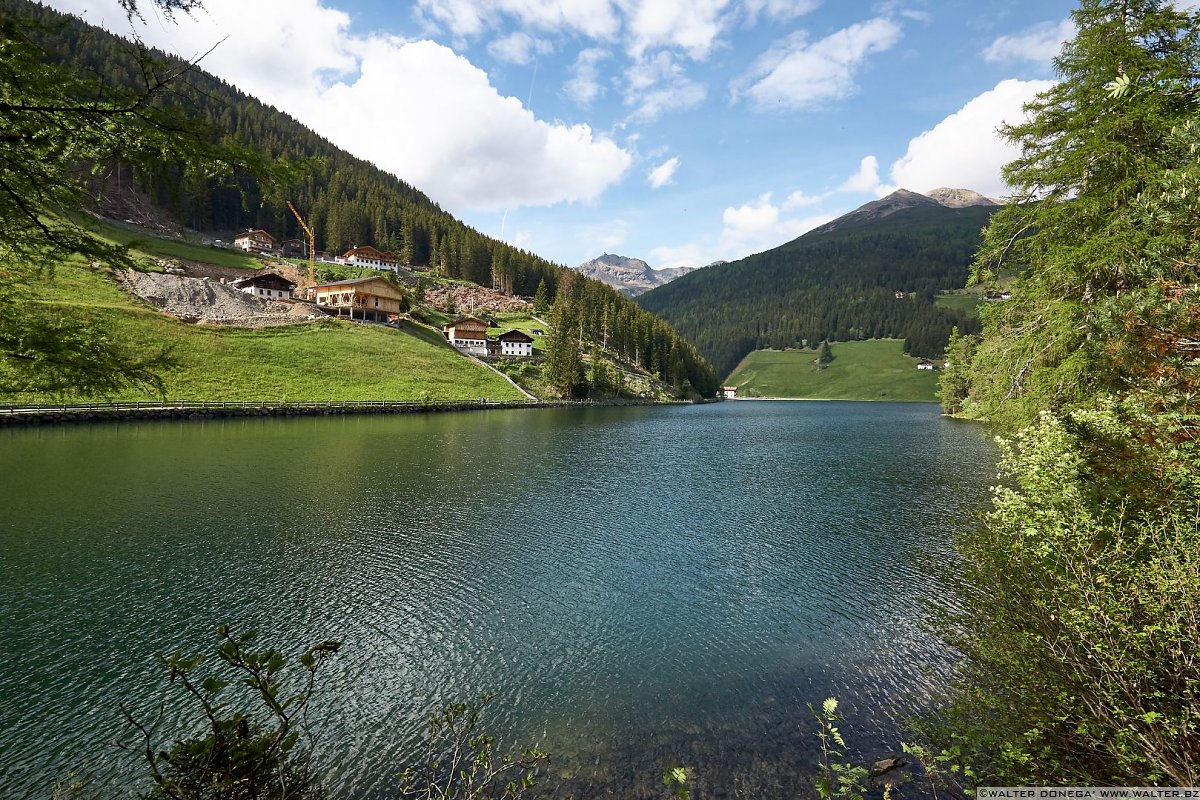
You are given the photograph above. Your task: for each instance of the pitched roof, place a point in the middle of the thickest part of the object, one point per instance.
(371, 252)
(382, 282)
(264, 279)
(515, 336)
(252, 233)
(465, 322)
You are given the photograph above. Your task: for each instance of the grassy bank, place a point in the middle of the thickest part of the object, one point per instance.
(142, 243)
(326, 360)
(876, 369)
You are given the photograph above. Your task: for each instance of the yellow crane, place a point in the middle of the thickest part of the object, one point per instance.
(312, 251)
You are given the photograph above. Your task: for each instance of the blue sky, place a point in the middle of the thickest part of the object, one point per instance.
(677, 131)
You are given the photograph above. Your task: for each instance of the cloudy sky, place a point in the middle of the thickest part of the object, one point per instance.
(677, 131)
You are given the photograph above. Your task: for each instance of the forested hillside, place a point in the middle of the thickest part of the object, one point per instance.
(346, 200)
(835, 284)
(90, 74)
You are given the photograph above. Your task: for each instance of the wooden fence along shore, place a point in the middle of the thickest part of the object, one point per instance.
(13, 414)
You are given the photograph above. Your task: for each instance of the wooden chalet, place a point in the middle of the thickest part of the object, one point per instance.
(373, 299)
(367, 256)
(256, 241)
(468, 334)
(265, 285)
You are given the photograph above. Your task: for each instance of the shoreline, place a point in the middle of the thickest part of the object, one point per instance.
(15, 416)
(825, 400)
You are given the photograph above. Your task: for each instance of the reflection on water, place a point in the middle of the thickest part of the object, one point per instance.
(639, 586)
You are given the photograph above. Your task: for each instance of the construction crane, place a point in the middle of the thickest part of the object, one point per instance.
(312, 252)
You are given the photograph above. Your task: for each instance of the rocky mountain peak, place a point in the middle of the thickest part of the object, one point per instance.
(632, 276)
(960, 198)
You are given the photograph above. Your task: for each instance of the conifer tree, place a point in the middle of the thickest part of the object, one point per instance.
(541, 298)
(1092, 145)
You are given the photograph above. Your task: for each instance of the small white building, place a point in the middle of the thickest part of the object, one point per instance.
(265, 285)
(516, 343)
(924, 363)
(258, 241)
(468, 335)
(728, 392)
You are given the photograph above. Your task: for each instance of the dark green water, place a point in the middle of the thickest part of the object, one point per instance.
(639, 586)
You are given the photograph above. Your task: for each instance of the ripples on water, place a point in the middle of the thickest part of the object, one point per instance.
(640, 587)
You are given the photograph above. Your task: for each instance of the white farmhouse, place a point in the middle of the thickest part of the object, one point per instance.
(257, 241)
(515, 343)
(367, 256)
(265, 285)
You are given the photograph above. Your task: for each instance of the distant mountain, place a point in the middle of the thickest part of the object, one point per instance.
(630, 276)
(960, 198)
(903, 198)
(873, 273)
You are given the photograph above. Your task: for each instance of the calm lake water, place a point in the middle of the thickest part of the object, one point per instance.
(639, 586)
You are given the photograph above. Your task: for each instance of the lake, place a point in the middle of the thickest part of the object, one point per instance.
(640, 587)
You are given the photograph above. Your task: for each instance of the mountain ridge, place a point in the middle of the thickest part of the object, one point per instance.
(901, 199)
(872, 273)
(630, 276)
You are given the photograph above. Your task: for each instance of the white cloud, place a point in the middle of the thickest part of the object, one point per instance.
(964, 150)
(308, 45)
(1038, 44)
(694, 27)
(690, 25)
(597, 19)
(796, 74)
(482, 151)
(778, 10)
(798, 199)
(663, 174)
(749, 228)
(584, 84)
(659, 84)
(866, 179)
(518, 48)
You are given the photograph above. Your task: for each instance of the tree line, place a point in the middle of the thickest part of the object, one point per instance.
(587, 314)
(832, 285)
(346, 200)
(1080, 591)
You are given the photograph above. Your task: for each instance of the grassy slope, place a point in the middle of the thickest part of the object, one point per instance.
(145, 244)
(964, 300)
(868, 370)
(327, 360)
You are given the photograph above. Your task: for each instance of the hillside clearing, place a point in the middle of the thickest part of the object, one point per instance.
(875, 369)
(320, 360)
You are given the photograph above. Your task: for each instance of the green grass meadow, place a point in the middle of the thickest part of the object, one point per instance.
(876, 369)
(146, 244)
(965, 300)
(316, 361)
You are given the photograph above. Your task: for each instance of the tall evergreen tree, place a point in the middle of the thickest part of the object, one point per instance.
(1092, 146)
(541, 298)
(1080, 590)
